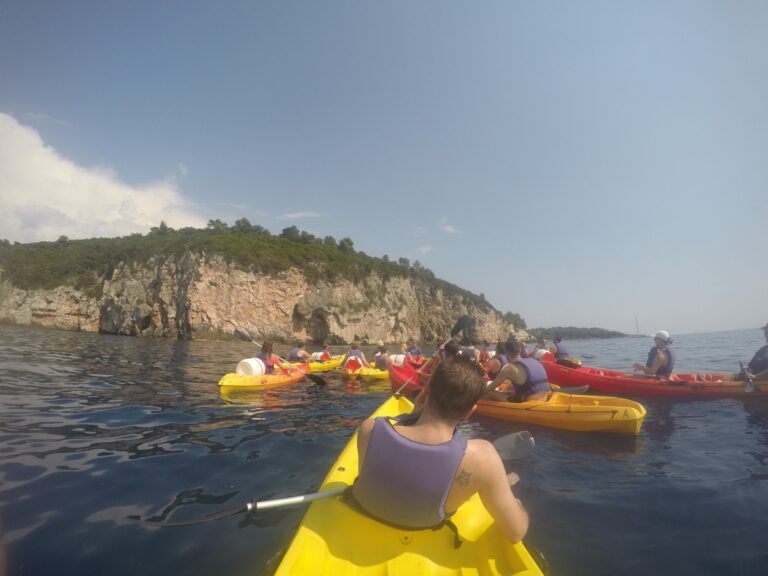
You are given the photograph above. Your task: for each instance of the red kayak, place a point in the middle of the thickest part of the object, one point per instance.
(617, 382)
(409, 377)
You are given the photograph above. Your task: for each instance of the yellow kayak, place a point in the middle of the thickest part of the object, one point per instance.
(262, 381)
(571, 412)
(334, 540)
(331, 364)
(366, 374)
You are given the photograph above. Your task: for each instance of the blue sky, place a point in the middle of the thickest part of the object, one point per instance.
(579, 163)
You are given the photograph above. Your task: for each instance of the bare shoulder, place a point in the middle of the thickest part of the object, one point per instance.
(366, 427)
(481, 455)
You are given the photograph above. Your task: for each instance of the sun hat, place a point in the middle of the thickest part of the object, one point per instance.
(663, 335)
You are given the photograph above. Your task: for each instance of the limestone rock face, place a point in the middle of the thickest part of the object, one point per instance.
(193, 296)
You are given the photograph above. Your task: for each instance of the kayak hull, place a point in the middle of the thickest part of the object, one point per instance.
(264, 381)
(584, 413)
(333, 539)
(683, 385)
(326, 366)
(367, 374)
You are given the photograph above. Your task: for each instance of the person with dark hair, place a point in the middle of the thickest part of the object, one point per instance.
(661, 358)
(558, 349)
(381, 358)
(527, 375)
(450, 350)
(355, 358)
(299, 353)
(437, 468)
(268, 357)
(499, 360)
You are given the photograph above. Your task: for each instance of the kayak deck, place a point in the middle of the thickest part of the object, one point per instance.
(584, 413)
(336, 540)
(264, 381)
(713, 385)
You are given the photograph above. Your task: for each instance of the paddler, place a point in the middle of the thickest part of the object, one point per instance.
(661, 358)
(355, 352)
(758, 366)
(268, 357)
(416, 476)
(527, 376)
(299, 353)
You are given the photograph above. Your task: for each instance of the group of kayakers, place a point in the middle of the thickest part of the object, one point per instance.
(382, 357)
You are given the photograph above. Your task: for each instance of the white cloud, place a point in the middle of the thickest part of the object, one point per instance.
(425, 249)
(448, 228)
(298, 215)
(44, 195)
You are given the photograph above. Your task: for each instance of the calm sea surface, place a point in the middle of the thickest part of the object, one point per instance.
(95, 429)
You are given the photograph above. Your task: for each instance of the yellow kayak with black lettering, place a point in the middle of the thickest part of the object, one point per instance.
(335, 540)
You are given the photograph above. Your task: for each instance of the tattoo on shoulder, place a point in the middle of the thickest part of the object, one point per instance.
(463, 478)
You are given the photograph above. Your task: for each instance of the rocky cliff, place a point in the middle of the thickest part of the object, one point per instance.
(194, 296)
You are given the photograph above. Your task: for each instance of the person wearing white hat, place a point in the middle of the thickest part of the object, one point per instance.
(661, 358)
(758, 366)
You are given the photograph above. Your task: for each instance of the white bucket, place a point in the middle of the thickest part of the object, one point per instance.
(541, 353)
(251, 367)
(397, 359)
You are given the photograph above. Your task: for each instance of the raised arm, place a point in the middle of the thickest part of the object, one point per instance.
(496, 494)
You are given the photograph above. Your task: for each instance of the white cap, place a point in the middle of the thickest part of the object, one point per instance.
(663, 335)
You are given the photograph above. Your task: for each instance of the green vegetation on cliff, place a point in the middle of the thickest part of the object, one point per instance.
(84, 264)
(573, 333)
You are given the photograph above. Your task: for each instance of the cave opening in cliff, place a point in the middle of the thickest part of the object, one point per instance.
(318, 328)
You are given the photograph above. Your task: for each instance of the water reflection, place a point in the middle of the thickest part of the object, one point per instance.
(94, 429)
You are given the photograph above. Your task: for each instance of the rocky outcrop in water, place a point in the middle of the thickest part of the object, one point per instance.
(193, 296)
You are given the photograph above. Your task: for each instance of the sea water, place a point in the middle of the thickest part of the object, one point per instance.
(96, 431)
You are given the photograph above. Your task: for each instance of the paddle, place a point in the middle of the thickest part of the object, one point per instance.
(570, 389)
(314, 377)
(749, 387)
(513, 446)
(460, 325)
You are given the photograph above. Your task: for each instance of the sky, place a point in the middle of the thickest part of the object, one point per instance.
(592, 163)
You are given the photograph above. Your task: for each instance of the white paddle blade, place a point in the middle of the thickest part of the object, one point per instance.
(515, 446)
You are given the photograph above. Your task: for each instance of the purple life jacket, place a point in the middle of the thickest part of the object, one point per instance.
(562, 351)
(406, 483)
(664, 369)
(266, 358)
(295, 356)
(535, 380)
(381, 362)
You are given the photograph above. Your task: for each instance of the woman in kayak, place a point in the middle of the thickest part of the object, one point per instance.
(661, 358)
(416, 476)
(299, 353)
(381, 358)
(357, 354)
(499, 360)
(527, 375)
(558, 349)
(268, 357)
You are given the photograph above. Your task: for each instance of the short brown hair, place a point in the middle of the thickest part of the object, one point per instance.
(456, 386)
(512, 346)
